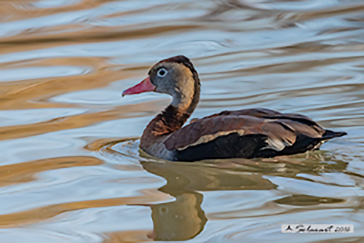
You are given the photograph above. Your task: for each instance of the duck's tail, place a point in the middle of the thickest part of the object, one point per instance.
(331, 134)
(327, 136)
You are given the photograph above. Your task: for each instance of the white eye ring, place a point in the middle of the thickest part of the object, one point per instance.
(162, 72)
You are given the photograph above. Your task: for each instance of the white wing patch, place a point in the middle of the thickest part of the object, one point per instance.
(210, 137)
(319, 144)
(277, 144)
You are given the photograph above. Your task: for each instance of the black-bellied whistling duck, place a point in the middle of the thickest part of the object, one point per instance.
(250, 133)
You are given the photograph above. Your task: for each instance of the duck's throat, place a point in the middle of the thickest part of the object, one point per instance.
(170, 120)
(175, 115)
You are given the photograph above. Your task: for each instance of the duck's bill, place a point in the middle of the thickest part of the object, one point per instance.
(143, 86)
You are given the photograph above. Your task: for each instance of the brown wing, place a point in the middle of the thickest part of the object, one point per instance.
(264, 113)
(270, 133)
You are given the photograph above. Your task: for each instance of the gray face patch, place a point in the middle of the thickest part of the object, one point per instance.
(176, 80)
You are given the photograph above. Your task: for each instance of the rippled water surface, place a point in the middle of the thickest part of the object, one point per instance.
(70, 168)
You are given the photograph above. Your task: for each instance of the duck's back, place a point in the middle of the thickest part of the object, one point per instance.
(247, 133)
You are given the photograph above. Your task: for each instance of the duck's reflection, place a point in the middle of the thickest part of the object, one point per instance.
(184, 218)
(181, 219)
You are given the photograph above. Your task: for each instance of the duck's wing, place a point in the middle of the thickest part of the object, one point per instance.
(264, 113)
(247, 134)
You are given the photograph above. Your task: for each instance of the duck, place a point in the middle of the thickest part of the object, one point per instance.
(247, 133)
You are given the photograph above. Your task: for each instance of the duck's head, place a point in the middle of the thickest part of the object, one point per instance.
(175, 76)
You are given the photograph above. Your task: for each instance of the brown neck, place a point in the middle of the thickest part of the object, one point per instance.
(171, 119)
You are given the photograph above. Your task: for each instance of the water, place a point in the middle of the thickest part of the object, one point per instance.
(70, 168)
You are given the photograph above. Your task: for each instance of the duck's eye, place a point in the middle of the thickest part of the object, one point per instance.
(162, 72)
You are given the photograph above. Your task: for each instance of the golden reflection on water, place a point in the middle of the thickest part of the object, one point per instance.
(70, 167)
(24, 172)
